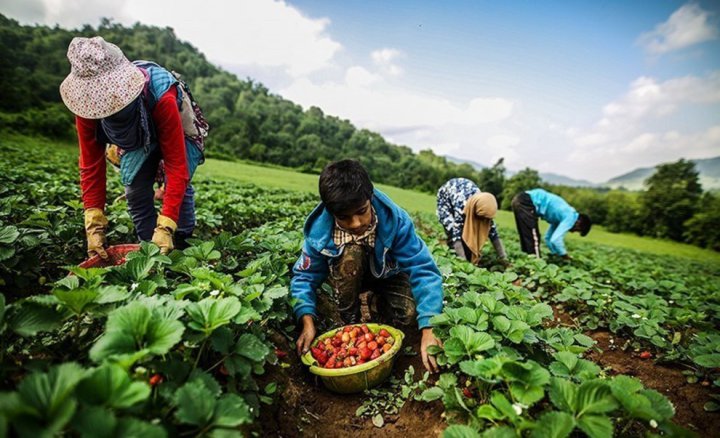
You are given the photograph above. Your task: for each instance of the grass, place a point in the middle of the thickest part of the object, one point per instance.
(425, 203)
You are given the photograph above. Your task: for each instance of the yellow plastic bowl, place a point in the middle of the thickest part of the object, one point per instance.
(359, 377)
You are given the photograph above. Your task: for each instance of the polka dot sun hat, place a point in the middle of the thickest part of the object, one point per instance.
(102, 81)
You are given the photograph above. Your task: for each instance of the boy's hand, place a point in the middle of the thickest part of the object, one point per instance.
(306, 336)
(428, 339)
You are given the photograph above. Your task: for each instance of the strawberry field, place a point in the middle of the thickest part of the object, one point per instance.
(198, 343)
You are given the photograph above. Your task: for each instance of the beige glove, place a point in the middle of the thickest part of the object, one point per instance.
(163, 235)
(95, 224)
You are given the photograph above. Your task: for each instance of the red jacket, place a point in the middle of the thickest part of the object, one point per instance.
(171, 138)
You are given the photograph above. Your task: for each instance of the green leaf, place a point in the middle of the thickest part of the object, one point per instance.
(95, 421)
(31, 319)
(139, 268)
(488, 412)
(502, 404)
(500, 432)
(209, 314)
(568, 359)
(45, 400)
(460, 431)
(594, 397)
(554, 425)
(110, 386)
(563, 394)
(584, 340)
(76, 300)
(6, 252)
(134, 330)
(660, 404)
(251, 347)
(232, 411)
(708, 360)
(538, 312)
(276, 292)
(246, 314)
(132, 428)
(501, 323)
(196, 403)
(596, 426)
(378, 420)
(486, 368)
(431, 394)
(112, 294)
(9, 234)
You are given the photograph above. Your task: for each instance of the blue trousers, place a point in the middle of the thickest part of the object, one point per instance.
(141, 203)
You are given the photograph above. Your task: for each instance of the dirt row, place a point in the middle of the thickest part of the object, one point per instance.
(305, 409)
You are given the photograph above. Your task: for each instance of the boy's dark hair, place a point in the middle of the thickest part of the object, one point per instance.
(584, 223)
(344, 185)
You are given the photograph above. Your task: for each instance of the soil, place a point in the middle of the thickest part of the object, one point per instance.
(304, 408)
(688, 398)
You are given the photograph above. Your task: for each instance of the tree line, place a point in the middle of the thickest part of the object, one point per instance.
(672, 206)
(249, 122)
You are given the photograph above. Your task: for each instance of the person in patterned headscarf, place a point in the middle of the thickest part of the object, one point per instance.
(466, 214)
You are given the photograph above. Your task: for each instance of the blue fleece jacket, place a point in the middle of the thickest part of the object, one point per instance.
(397, 248)
(558, 213)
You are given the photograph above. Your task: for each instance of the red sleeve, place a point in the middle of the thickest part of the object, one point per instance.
(171, 138)
(92, 164)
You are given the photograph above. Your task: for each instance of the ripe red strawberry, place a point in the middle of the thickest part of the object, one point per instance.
(372, 345)
(365, 353)
(375, 354)
(645, 355)
(364, 328)
(156, 379)
(384, 333)
(280, 353)
(467, 393)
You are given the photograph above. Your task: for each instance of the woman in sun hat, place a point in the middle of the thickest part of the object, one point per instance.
(135, 106)
(466, 214)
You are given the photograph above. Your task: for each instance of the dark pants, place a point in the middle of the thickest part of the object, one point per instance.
(526, 220)
(141, 204)
(350, 275)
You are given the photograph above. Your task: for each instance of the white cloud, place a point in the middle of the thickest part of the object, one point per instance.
(250, 33)
(384, 59)
(628, 134)
(687, 26)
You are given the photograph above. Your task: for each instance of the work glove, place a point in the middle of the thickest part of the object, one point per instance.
(163, 235)
(459, 250)
(95, 224)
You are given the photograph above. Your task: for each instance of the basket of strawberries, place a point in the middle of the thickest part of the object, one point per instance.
(355, 357)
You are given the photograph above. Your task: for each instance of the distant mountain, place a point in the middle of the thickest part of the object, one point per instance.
(709, 169)
(552, 178)
(561, 180)
(475, 164)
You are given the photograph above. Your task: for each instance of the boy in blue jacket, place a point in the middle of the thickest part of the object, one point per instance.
(358, 240)
(528, 206)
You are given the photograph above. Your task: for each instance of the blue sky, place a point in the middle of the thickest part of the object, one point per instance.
(585, 89)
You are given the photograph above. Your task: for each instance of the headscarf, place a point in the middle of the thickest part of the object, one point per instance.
(479, 211)
(129, 128)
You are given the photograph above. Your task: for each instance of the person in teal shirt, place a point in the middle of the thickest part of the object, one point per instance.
(532, 204)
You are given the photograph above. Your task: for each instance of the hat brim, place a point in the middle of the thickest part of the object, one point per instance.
(102, 96)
